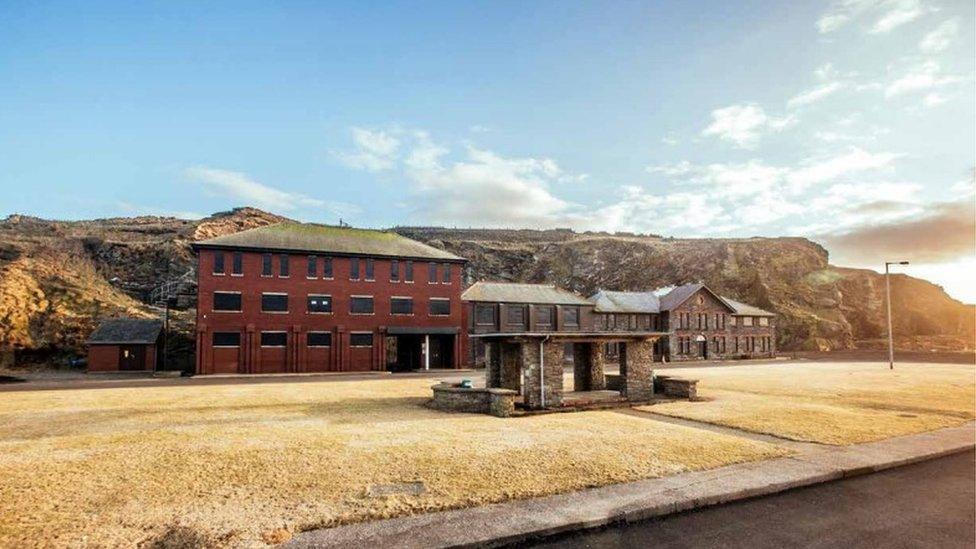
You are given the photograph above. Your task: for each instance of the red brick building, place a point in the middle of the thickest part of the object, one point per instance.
(125, 345)
(299, 297)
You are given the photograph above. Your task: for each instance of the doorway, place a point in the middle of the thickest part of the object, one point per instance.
(703, 349)
(132, 357)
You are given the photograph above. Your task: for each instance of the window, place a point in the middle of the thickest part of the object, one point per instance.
(747, 321)
(266, 265)
(320, 339)
(316, 303)
(370, 267)
(361, 305)
(543, 315)
(283, 266)
(408, 275)
(571, 316)
(227, 301)
(516, 314)
(394, 270)
(484, 315)
(312, 270)
(447, 274)
(731, 321)
(361, 339)
(440, 307)
(432, 273)
(763, 321)
(274, 303)
(326, 267)
(705, 318)
(238, 264)
(274, 339)
(401, 306)
(353, 268)
(226, 339)
(218, 266)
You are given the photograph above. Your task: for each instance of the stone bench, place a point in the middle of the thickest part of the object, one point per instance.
(451, 397)
(676, 387)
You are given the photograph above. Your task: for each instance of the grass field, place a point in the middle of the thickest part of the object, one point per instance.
(831, 403)
(251, 464)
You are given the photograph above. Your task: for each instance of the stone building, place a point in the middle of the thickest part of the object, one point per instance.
(700, 323)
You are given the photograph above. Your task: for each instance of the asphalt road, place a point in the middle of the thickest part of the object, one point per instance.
(930, 504)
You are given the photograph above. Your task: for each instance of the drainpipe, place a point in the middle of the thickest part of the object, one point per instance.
(542, 372)
(426, 351)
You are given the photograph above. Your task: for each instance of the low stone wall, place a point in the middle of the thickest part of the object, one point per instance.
(451, 397)
(676, 387)
(613, 382)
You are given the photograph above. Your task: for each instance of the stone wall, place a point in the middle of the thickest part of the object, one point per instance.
(637, 370)
(450, 397)
(493, 363)
(511, 366)
(588, 367)
(676, 387)
(532, 356)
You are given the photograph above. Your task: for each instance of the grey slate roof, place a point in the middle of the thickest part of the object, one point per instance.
(126, 331)
(679, 295)
(509, 292)
(312, 237)
(746, 310)
(626, 302)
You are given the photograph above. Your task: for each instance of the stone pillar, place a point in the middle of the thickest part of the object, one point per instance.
(588, 367)
(637, 370)
(598, 379)
(510, 364)
(493, 364)
(550, 358)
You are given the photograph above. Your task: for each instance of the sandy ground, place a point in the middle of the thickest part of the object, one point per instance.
(237, 465)
(831, 403)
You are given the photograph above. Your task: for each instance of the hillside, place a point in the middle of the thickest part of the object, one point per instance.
(57, 278)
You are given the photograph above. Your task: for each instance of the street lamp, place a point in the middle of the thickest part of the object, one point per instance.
(891, 337)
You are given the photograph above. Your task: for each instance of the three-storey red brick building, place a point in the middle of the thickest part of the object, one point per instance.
(300, 297)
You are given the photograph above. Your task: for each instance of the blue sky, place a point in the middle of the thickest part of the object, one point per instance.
(849, 122)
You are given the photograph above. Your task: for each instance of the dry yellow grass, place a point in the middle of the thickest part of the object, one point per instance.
(831, 403)
(250, 464)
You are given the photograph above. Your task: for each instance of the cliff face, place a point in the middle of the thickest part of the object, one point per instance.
(58, 278)
(820, 307)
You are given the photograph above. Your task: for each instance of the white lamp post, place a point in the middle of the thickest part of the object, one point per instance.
(891, 337)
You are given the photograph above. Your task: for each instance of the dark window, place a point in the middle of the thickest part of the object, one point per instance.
(516, 315)
(432, 273)
(408, 275)
(226, 339)
(447, 273)
(327, 267)
(394, 270)
(319, 339)
(283, 265)
(274, 339)
(312, 270)
(218, 267)
(401, 306)
(353, 268)
(361, 305)
(274, 303)
(319, 303)
(543, 315)
(484, 314)
(266, 265)
(440, 307)
(571, 316)
(238, 266)
(370, 267)
(360, 339)
(226, 301)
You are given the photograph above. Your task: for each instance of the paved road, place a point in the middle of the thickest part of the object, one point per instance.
(930, 504)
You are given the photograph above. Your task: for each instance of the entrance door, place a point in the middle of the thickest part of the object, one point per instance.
(703, 349)
(441, 351)
(132, 357)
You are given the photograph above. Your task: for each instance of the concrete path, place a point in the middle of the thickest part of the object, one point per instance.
(515, 521)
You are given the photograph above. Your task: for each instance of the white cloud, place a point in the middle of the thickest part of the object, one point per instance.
(886, 14)
(478, 128)
(817, 171)
(934, 99)
(744, 125)
(940, 38)
(670, 139)
(375, 150)
(239, 186)
(897, 13)
(842, 12)
(814, 95)
(923, 77)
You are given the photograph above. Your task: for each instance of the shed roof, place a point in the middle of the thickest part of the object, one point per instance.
(626, 302)
(510, 292)
(126, 331)
(313, 237)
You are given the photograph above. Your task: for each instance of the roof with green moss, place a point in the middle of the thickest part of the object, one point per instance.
(327, 239)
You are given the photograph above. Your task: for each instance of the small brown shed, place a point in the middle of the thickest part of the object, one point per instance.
(125, 345)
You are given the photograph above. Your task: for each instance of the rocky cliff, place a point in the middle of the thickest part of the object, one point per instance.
(58, 278)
